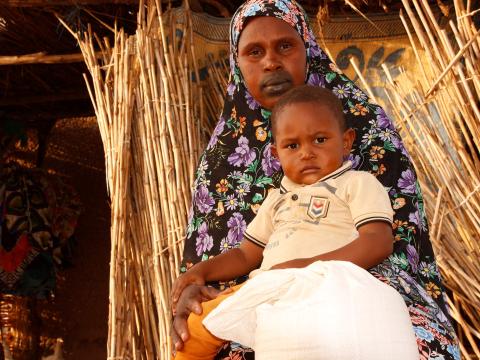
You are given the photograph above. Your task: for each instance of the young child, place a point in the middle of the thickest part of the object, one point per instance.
(323, 211)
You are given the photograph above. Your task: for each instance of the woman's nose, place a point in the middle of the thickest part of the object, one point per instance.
(272, 61)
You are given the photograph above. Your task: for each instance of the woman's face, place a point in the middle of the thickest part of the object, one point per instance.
(272, 59)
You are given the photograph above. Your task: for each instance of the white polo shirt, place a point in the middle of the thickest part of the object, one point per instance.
(301, 221)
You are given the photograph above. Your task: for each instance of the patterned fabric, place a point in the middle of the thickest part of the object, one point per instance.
(237, 169)
(38, 216)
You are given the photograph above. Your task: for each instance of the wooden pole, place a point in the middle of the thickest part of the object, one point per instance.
(38, 3)
(42, 58)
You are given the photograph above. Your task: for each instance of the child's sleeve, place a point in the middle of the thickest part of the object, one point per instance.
(368, 200)
(261, 227)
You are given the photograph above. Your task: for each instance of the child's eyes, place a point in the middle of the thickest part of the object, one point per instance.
(292, 146)
(320, 140)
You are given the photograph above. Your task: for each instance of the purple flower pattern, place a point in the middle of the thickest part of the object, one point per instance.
(355, 159)
(204, 241)
(342, 91)
(231, 89)
(413, 258)
(270, 164)
(232, 202)
(252, 103)
(236, 227)
(203, 199)
(216, 133)
(316, 80)
(408, 183)
(383, 120)
(243, 155)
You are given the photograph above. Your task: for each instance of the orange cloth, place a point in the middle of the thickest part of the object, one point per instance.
(202, 345)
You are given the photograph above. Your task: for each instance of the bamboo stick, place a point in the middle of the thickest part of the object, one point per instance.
(441, 132)
(39, 3)
(41, 58)
(153, 132)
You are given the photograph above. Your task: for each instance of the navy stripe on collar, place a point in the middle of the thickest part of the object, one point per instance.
(286, 183)
(337, 172)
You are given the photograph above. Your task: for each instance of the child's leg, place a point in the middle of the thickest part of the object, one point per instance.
(202, 345)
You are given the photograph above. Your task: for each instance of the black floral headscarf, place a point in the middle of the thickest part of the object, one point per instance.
(237, 169)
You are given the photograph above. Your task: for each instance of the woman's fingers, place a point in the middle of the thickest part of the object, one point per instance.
(179, 332)
(209, 292)
(178, 287)
(189, 300)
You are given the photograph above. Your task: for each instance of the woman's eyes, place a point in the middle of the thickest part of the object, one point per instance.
(255, 52)
(285, 46)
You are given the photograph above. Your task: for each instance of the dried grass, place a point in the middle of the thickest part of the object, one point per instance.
(153, 127)
(438, 116)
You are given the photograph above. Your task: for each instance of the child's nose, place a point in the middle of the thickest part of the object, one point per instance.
(306, 153)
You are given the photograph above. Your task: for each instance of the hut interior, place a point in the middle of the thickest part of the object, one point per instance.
(44, 101)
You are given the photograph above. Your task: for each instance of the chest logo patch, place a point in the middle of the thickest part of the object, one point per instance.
(318, 207)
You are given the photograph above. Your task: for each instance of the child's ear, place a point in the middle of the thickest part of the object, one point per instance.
(348, 138)
(273, 149)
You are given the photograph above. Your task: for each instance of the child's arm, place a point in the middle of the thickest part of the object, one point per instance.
(373, 245)
(226, 266)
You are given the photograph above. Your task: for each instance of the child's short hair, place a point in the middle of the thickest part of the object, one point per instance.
(309, 94)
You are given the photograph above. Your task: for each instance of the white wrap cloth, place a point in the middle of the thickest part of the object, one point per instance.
(330, 310)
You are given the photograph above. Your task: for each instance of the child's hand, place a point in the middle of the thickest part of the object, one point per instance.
(190, 277)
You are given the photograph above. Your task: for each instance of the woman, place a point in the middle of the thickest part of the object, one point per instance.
(237, 169)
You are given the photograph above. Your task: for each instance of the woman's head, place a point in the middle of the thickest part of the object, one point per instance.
(270, 65)
(270, 44)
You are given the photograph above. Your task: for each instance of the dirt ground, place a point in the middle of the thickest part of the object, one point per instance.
(75, 153)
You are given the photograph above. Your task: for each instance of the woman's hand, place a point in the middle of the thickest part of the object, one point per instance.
(190, 300)
(295, 263)
(192, 276)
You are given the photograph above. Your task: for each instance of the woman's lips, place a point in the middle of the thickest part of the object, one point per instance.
(276, 83)
(277, 88)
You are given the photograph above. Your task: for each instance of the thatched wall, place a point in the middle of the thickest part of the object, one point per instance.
(136, 87)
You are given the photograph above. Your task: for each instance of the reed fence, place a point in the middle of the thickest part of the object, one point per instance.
(438, 114)
(155, 116)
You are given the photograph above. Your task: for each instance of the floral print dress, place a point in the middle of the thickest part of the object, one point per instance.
(237, 169)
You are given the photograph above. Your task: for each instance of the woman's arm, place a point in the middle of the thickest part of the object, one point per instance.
(227, 266)
(373, 245)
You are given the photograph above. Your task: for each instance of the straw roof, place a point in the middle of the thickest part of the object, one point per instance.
(41, 66)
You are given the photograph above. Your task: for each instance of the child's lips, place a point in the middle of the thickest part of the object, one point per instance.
(309, 169)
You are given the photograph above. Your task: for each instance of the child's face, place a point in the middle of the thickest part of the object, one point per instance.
(309, 142)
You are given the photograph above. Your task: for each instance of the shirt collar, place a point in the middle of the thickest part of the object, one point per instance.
(288, 185)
